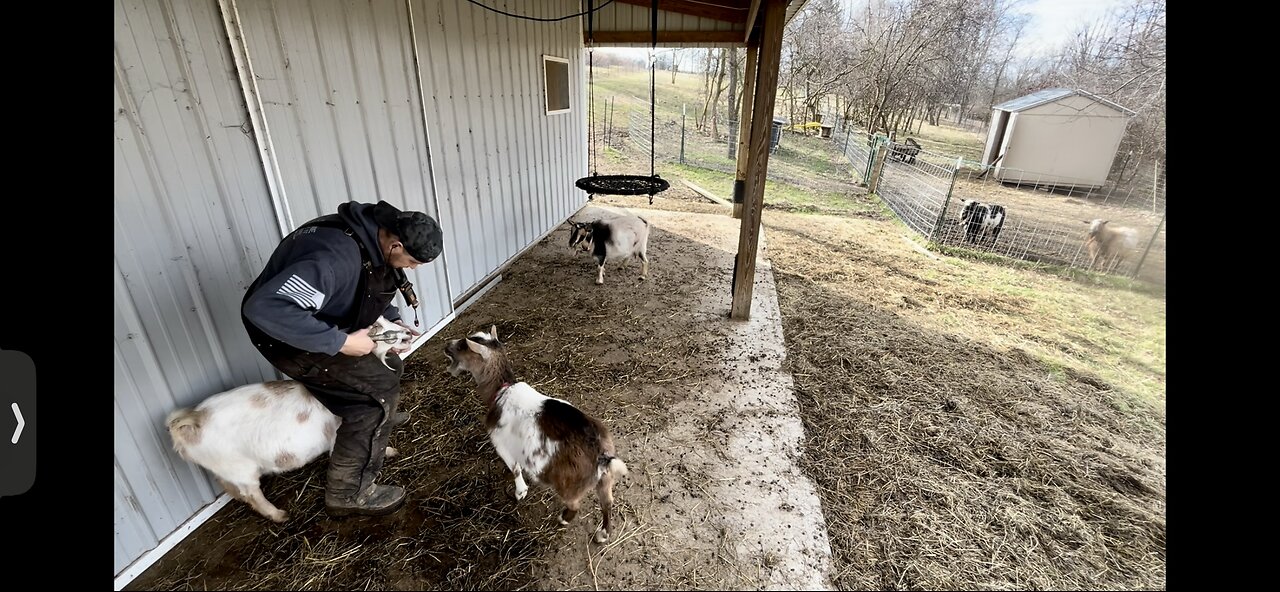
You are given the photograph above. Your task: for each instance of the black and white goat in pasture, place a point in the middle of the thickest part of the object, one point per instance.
(254, 430)
(545, 439)
(612, 238)
(1108, 245)
(981, 221)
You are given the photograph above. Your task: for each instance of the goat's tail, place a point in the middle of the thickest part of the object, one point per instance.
(184, 428)
(613, 465)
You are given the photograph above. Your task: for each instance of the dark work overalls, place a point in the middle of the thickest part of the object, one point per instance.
(359, 389)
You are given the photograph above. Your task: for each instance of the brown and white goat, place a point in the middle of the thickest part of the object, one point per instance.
(255, 430)
(612, 238)
(545, 439)
(1109, 244)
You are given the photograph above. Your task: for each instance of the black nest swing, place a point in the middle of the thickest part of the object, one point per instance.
(596, 183)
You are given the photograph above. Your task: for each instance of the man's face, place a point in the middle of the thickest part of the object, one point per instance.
(401, 259)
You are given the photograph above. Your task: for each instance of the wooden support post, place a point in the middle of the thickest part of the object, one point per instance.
(877, 166)
(744, 127)
(766, 90)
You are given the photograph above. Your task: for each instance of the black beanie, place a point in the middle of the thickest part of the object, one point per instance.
(420, 233)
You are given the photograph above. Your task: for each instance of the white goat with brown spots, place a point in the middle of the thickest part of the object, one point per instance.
(255, 430)
(545, 439)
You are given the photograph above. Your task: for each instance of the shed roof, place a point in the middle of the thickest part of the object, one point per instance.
(1049, 95)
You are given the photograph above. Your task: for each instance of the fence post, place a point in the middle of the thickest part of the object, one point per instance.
(682, 108)
(871, 160)
(877, 167)
(937, 226)
(609, 134)
(1138, 267)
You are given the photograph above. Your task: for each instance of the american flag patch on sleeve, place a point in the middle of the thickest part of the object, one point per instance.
(301, 292)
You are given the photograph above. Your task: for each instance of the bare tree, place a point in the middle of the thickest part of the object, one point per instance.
(1122, 58)
(819, 56)
(718, 63)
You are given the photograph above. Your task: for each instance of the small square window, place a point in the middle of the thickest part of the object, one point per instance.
(556, 84)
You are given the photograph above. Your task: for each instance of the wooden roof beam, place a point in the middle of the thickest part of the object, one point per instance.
(727, 38)
(708, 9)
(752, 12)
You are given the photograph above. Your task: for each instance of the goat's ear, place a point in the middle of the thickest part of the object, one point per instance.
(481, 350)
(493, 332)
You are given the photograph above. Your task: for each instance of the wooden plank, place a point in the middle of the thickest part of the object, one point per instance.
(751, 20)
(703, 9)
(705, 193)
(744, 128)
(725, 38)
(744, 271)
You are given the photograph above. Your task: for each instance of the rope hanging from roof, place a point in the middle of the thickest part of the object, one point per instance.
(622, 184)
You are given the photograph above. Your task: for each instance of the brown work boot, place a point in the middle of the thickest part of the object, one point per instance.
(376, 500)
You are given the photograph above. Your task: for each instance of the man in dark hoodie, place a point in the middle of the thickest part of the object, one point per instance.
(309, 313)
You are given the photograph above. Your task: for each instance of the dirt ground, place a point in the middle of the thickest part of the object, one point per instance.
(941, 459)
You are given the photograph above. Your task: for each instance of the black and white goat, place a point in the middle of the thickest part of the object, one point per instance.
(1109, 245)
(545, 439)
(255, 430)
(613, 238)
(981, 221)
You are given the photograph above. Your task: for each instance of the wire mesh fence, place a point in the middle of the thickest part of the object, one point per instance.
(1047, 217)
(678, 134)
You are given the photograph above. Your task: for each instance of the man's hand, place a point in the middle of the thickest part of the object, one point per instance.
(358, 343)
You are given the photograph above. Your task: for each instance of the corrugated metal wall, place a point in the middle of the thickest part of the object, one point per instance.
(505, 170)
(339, 92)
(193, 220)
(417, 102)
(629, 17)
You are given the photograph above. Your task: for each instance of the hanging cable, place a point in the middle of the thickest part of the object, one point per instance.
(594, 182)
(534, 18)
(653, 103)
(594, 166)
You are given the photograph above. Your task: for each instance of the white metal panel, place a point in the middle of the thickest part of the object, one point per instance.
(504, 168)
(341, 99)
(192, 224)
(629, 17)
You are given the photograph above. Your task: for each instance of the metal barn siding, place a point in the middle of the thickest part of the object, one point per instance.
(416, 102)
(192, 223)
(628, 17)
(504, 169)
(340, 95)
